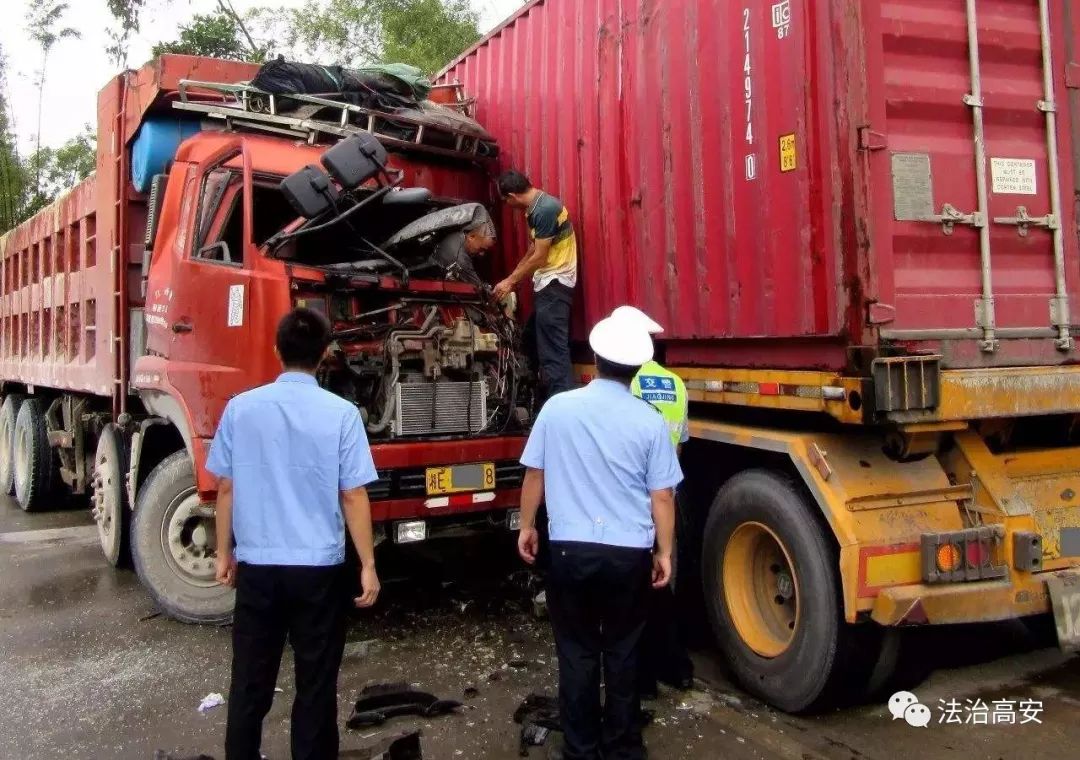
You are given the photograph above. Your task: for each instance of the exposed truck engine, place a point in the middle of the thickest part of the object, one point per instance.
(419, 367)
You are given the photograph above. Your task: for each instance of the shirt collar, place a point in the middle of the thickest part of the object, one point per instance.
(297, 377)
(536, 200)
(609, 386)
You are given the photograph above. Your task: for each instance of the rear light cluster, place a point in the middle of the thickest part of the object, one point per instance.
(826, 392)
(966, 555)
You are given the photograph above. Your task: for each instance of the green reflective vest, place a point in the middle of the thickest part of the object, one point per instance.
(666, 391)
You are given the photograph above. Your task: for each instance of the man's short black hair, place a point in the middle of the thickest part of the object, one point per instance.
(513, 182)
(302, 338)
(624, 373)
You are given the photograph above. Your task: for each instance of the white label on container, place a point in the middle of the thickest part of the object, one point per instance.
(781, 19)
(1013, 176)
(236, 305)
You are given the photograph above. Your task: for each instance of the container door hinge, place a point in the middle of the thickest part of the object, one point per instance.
(871, 140)
(1023, 221)
(951, 216)
(985, 318)
(881, 313)
(1059, 318)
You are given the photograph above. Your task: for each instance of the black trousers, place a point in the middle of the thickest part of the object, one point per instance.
(547, 335)
(664, 656)
(307, 605)
(597, 599)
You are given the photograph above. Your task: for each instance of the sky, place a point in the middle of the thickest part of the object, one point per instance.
(78, 68)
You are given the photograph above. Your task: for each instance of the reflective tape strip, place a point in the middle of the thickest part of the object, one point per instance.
(460, 500)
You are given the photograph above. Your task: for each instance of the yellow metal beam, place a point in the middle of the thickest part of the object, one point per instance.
(966, 394)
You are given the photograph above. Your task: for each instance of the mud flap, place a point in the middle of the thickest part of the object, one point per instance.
(1064, 591)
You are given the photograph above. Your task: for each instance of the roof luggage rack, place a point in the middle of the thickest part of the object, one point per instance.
(315, 118)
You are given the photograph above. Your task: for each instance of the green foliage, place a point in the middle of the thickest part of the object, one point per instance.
(13, 179)
(59, 170)
(64, 167)
(44, 24)
(427, 34)
(216, 35)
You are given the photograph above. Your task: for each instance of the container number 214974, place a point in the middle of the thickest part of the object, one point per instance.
(748, 94)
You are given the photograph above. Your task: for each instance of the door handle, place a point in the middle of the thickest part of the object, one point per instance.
(182, 327)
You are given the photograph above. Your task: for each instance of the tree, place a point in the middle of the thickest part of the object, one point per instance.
(204, 30)
(60, 169)
(427, 34)
(216, 35)
(45, 26)
(13, 179)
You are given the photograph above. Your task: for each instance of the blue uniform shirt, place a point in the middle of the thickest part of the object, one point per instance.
(602, 451)
(290, 448)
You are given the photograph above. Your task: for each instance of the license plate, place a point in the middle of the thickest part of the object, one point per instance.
(460, 478)
(1064, 591)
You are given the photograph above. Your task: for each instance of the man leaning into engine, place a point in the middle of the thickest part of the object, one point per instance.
(456, 250)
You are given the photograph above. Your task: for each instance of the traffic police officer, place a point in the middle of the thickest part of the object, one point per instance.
(663, 656)
(604, 462)
(660, 387)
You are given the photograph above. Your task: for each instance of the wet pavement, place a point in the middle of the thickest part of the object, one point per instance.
(90, 671)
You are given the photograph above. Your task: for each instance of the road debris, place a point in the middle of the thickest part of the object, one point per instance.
(210, 701)
(401, 746)
(379, 703)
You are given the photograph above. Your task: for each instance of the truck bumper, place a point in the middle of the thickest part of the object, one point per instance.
(978, 602)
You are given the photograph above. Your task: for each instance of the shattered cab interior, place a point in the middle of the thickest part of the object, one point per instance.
(419, 355)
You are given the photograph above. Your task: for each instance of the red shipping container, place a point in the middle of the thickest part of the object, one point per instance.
(778, 182)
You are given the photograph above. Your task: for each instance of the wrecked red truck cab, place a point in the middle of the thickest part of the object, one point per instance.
(216, 253)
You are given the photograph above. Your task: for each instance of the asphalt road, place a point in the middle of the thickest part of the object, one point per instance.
(90, 671)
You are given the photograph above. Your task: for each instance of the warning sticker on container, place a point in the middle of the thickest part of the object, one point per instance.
(236, 305)
(789, 160)
(1013, 176)
(913, 188)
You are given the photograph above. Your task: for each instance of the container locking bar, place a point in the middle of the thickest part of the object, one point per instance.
(1024, 221)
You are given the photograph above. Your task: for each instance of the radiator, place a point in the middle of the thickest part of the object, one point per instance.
(440, 408)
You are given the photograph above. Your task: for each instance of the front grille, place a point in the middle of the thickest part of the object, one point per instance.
(440, 408)
(509, 475)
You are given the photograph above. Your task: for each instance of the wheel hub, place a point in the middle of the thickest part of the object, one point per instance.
(189, 541)
(22, 455)
(761, 589)
(106, 506)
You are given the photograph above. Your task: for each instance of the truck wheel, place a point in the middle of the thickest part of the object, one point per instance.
(173, 546)
(9, 412)
(33, 458)
(901, 664)
(109, 501)
(772, 593)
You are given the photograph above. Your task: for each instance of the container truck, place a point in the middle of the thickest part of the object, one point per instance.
(137, 304)
(857, 222)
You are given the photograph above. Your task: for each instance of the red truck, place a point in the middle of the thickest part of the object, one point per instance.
(136, 305)
(857, 221)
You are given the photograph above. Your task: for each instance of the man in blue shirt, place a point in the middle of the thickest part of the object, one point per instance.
(292, 461)
(603, 461)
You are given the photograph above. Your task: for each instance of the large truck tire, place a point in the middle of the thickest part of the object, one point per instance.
(173, 546)
(9, 413)
(35, 468)
(901, 664)
(772, 595)
(109, 502)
